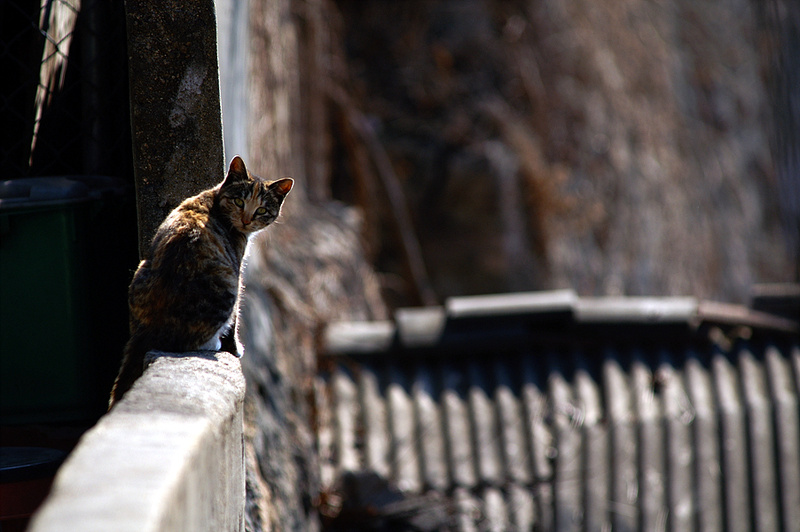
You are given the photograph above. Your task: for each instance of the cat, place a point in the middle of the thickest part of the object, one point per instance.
(185, 293)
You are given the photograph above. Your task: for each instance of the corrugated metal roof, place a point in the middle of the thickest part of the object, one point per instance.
(550, 412)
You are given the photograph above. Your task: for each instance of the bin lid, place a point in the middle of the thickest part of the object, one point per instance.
(57, 190)
(28, 463)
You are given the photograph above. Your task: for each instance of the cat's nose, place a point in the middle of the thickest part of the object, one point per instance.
(246, 220)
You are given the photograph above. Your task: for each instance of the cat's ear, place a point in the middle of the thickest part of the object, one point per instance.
(237, 171)
(282, 186)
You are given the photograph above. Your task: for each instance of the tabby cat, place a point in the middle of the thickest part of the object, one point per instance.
(184, 295)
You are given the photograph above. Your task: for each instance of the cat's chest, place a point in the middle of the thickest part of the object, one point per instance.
(230, 250)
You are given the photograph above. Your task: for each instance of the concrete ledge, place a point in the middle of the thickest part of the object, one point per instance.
(169, 457)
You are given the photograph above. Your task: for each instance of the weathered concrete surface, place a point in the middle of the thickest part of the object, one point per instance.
(176, 119)
(169, 457)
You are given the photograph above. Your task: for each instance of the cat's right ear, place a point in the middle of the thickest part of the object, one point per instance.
(282, 186)
(237, 171)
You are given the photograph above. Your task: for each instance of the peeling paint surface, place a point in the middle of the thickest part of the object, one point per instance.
(188, 91)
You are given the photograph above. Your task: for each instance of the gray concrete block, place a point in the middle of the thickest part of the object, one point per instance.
(168, 457)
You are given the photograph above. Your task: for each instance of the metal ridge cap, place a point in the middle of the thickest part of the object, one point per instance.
(420, 326)
(428, 327)
(517, 303)
(636, 309)
(358, 337)
(733, 314)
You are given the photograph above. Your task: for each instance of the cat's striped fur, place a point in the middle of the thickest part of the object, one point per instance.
(184, 294)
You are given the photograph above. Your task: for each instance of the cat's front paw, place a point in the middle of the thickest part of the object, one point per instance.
(213, 344)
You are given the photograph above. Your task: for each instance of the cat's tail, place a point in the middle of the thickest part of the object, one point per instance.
(131, 368)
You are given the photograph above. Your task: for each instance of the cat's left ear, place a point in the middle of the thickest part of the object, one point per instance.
(237, 171)
(282, 186)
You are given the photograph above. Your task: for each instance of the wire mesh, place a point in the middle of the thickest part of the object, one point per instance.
(63, 95)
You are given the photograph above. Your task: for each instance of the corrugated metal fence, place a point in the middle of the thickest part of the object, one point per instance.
(572, 431)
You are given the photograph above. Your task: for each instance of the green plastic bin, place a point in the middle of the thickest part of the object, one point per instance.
(62, 294)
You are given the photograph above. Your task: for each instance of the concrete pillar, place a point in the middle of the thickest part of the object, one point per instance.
(175, 105)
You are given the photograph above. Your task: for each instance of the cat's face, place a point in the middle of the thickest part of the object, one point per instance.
(250, 203)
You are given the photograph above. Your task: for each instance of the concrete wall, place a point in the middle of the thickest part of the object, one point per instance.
(169, 457)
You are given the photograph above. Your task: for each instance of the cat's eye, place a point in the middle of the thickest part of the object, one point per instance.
(261, 210)
(239, 202)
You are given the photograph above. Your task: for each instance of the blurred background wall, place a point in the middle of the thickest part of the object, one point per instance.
(611, 147)
(454, 147)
